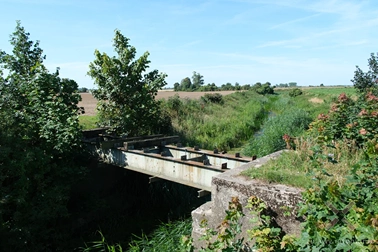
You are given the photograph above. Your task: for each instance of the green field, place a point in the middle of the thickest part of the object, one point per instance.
(88, 122)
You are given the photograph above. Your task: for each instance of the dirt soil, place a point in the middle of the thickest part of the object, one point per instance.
(89, 102)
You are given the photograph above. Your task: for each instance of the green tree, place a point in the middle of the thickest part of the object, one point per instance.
(237, 86)
(186, 84)
(176, 86)
(227, 86)
(83, 90)
(126, 92)
(213, 87)
(246, 87)
(197, 80)
(365, 82)
(263, 88)
(40, 139)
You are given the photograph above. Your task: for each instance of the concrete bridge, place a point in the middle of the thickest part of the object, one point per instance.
(163, 157)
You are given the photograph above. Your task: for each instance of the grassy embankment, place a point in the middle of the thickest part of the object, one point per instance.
(295, 167)
(224, 122)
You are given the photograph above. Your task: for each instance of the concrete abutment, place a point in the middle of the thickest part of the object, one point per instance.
(279, 199)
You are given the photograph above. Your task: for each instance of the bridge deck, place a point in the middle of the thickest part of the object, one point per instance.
(188, 166)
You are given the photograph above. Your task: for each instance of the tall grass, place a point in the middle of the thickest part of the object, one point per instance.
(290, 115)
(166, 237)
(292, 122)
(223, 125)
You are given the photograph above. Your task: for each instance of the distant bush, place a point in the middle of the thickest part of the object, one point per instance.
(295, 92)
(83, 90)
(212, 98)
(263, 89)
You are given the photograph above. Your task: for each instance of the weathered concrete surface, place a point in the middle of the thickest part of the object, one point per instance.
(231, 184)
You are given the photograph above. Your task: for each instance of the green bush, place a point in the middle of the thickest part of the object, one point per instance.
(263, 89)
(295, 92)
(350, 120)
(212, 98)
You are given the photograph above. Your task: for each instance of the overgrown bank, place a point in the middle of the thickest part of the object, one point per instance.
(339, 209)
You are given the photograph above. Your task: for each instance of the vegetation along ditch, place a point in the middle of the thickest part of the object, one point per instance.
(55, 197)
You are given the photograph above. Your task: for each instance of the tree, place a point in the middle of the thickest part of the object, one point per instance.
(237, 86)
(40, 137)
(176, 86)
(197, 80)
(227, 86)
(126, 92)
(246, 87)
(83, 90)
(365, 82)
(186, 84)
(263, 88)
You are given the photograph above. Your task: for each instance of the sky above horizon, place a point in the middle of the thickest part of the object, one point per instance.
(246, 41)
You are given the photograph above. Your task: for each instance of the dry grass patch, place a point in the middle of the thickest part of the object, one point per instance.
(316, 100)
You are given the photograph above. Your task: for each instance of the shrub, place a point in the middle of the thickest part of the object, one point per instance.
(263, 89)
(349, 120)
(295, 92)
(212, 98)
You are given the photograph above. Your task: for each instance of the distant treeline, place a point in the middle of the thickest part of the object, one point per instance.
(196, 83)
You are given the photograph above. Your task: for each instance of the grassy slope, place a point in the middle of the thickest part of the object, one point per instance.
(223, 126)
(294, 168)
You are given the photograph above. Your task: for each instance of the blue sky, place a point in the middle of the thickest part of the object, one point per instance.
(246, 41)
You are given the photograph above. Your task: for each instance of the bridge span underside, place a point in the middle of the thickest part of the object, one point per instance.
(154, 157)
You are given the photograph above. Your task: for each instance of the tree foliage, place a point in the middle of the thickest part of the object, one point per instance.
(365, 82)
(126, 92)
(39, 139)
(186, 84)
(197, 80)
(263, 88)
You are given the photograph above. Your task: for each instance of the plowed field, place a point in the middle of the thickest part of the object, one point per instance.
(89, 102)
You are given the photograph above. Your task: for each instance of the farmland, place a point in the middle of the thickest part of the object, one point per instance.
(89, 102)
